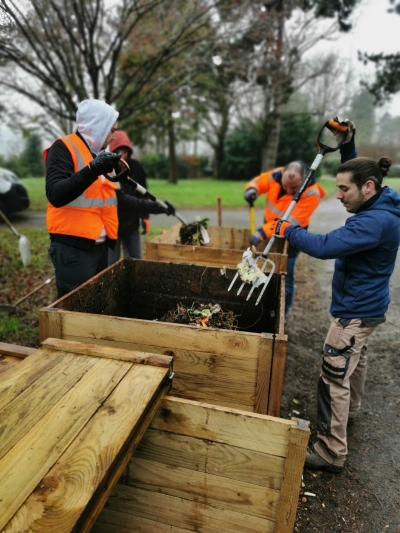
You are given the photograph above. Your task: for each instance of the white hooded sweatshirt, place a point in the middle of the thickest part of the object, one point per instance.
(94, 120)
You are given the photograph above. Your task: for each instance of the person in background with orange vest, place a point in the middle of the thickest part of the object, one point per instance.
(280, 185)
(82, 218)
(129, 222)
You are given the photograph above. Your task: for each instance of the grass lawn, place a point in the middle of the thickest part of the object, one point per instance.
(189, 193)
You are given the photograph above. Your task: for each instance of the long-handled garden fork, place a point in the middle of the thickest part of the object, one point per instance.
(248, 270)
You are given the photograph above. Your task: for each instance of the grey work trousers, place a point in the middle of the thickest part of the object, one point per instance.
(341, 384)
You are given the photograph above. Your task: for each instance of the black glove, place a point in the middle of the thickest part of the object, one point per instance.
(171, 208)
(257, 237)
(104, 162)
(250, 195)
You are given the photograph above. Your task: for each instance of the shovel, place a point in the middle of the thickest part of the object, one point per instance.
(248, 269)
(24, 244)
(252, 219)
(12, 308)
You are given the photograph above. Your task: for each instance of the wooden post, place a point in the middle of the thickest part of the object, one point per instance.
(290, 489)
(49, 323)
(219, 212)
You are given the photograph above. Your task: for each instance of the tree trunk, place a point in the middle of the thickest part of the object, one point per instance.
(273, 102)
(219, 146)
(173, 175)
(272, 129)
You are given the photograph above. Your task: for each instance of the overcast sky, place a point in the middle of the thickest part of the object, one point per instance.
(374, 31)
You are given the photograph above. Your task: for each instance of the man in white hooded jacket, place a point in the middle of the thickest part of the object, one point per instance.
(82, 216)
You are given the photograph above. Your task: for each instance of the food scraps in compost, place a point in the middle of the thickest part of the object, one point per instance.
(202, 315)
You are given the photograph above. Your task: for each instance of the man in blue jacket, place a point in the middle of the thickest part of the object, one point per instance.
(365, 250)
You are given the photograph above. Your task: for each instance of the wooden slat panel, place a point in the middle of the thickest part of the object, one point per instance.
(26, 464)
(15, 350)
(250, 431)
(112, 521)
(49, 323)
(84, 464)
(161, 334)
(263, 375)
(185, 514)
(7, 362)
(206, 489)
(213, 390)
(84, 348)
(298, 439)
(20, 415)
(277, 375)
(209, 457)
(24, 375)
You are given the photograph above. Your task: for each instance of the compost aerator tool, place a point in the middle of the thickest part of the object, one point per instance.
(248, 269)
(123, 174)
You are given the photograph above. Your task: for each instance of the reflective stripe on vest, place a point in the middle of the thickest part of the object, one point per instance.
(82, 201)
(280, 214)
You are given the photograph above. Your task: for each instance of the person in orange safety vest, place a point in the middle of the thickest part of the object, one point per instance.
(82, 218)
(280, 185)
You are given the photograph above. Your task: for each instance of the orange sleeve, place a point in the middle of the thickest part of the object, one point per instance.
(306, 206)
(260, 183)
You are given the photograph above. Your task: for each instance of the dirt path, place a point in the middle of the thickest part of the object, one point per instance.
(365, 498)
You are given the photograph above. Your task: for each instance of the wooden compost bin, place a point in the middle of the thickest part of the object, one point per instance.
(71, 416)
(122, 307)
(226, 248)
(205, 468)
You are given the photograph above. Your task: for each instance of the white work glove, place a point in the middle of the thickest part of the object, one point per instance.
(339, 135)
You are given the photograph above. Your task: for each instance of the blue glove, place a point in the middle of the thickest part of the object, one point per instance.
(257, 237)
(250, 195)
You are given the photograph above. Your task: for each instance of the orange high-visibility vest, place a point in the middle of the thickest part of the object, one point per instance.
(276, 207)
(96, 207)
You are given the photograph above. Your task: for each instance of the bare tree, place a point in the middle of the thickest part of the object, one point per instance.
(57, 52)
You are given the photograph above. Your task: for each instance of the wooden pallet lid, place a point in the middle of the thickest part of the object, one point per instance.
(71, 416)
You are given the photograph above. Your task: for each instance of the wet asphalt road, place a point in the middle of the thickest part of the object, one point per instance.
(233, 218)
(328, 212)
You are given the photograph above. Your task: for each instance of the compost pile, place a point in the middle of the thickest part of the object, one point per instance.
(194, 234)
(202, 315)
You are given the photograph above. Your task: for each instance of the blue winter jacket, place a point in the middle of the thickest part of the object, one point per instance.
(365, 249)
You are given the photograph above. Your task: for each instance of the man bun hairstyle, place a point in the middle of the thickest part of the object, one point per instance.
(363, 169)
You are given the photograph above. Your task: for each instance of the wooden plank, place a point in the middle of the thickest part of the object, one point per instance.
(16, 350)
(229, 426)
(281, 306)
(32, 457)
(120, 354)
(49, 323)
(7, 362)
(298, 439)
(21, 414)
(199, 255)
(162, 334)
(110, 520)
(24, 375)
(277, 375)
(88, 459)
(206, 456)
(263, 375)
(204, 489)
(213, 390)
(99, 498)
(185, 514)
